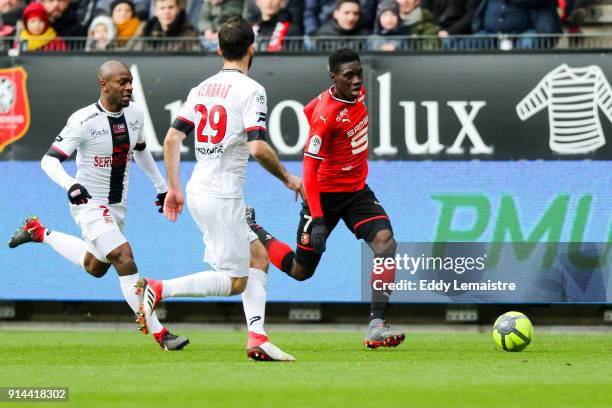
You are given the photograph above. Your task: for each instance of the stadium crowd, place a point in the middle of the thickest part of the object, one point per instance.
(385, 25)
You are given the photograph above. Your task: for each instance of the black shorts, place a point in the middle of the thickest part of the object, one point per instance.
(360, 210)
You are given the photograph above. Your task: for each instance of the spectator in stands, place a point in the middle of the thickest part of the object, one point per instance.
(141, 8)
(37, 34)
(213, 14)
(518, 17)
(319, 12)
(295, 9)
(388, 23)
(10, 13)
(170, 22)
(274, 23)
(416, 19)
(101, 34)
(453, 17)
(127, 24)
(345, 21)
(84, 10)
(63, 19)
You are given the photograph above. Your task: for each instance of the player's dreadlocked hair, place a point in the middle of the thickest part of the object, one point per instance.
(235, 37)
(341, 56)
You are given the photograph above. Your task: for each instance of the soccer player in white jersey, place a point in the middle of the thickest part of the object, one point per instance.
(228, 114)
(106, 135)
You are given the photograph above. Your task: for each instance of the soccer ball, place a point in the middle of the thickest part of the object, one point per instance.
(512, 331)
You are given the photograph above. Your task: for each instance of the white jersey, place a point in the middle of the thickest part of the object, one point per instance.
(226, 111)
(104, 142)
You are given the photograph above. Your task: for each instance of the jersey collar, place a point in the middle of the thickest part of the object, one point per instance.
(112, 114)
(331, 93)
(232, 70)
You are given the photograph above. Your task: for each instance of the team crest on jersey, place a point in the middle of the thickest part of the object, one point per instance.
(305, 238)
(342, 116)
(315, 145)
(14, 105)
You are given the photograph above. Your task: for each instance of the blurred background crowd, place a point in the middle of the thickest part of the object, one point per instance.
(384, 25)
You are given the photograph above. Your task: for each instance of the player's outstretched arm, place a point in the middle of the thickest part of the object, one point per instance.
(144, 160)
(173, 205)
(268, 159)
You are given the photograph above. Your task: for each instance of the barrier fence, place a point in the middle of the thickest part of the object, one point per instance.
(385, 44)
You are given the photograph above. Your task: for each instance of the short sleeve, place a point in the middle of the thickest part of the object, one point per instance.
(67, 141)
(318, 137)
(254, 114)
(185, 119)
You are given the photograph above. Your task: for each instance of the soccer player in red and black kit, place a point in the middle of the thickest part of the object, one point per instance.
(335, 168)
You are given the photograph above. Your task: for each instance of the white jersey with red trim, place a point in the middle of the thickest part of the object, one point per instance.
(104, 142)
(222, 110)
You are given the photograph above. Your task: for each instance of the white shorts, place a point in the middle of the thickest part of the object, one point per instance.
(101, 226)
(224, 231)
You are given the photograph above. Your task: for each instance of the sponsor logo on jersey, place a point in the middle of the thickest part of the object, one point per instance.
(118, 159)
(90, 117)
(261, 99)
(211, 151)
(59, 138)
(119, 128)
(262, 117)
(98, 132)
(14, 105)
(134, 126)
(347, 168)
(359, 137)
(305, 238)
(315, 145)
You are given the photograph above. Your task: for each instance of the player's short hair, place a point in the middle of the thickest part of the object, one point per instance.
(339, 3)
(235, 38)
(340, 57)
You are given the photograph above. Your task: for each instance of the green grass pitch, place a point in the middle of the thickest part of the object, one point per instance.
(122, 369)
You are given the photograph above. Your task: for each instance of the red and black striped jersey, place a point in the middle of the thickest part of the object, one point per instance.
(339, 137)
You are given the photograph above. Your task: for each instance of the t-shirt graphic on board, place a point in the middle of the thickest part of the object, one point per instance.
(573, 97)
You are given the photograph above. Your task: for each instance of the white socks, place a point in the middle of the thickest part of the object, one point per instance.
(254, 301)
(201, 284)
(68, 246)
(127, 287)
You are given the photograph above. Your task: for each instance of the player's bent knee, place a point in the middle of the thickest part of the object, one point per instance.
(95, 267)
(384, 243)
(301, 273)
(238, 285)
